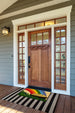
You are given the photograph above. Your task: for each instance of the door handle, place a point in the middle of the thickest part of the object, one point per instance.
(28, 59)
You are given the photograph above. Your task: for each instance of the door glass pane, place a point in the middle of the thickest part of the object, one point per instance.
(33, 39)
(58, 48)
(62, 80)
(23, 38)
(23, 56)
(63, 56)
(23, 62)
(20, 57)
(57, 63)
(20, 44)
(57, 79)
(20, 76)
(20, 50)
(57, 40)
(62, 48)
(20, 38)
(40, 24)
(23, 44)
(58, 33)
(30, 26)
(60, 20)
(63, 32)
(49, 22)
(57, 55)
(23, 50)
(63, 40)
(20, 63)
(39, 38)
(62, 72)
(20, 69)
(57, 71)
(45, 37)
(63, 64)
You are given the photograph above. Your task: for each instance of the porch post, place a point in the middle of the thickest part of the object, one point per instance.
(26, 58)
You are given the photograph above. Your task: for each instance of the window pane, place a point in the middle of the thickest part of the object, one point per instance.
(63, 64)
(33, 39)
(63, 40)
(63, 80)
(57, 79)
(45, 37)
(20, 44)
(39, 38)
(63, 32)
(60, 20)
(57, 63)
(20, 69)
(49, 22)
(20, 50)
(23, 44)
(20, 75)
(20, 38)
(20, 63)
(23, 50)
(58, 48)
(57, 55)
(63, 56)
(23, 56)
(23, 38)
(23, 62)
(62, 48)
(57, 71)
(58, 33)
(57, 40)
(30, 26)
(21, 27)
(62, 72)
(20, 57)
(40, 24)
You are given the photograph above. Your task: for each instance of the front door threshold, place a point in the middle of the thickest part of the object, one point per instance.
(40, 88)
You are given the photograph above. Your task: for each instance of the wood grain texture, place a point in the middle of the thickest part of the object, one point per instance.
(40, 61)
(65, 104)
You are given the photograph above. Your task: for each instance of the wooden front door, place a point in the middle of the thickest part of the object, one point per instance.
(39, 58)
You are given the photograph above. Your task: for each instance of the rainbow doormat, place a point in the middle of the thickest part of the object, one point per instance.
(35, 94)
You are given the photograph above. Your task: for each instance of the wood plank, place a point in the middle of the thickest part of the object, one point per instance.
(67, 106)
(60, 104)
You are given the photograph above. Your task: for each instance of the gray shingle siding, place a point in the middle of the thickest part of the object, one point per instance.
(72, 85)
(6, 59)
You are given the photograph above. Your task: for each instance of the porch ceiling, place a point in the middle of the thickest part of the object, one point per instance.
(4, 4)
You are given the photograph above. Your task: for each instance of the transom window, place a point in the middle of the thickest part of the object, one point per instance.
(43, 23)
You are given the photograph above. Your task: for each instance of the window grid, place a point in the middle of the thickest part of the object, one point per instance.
(25, 26)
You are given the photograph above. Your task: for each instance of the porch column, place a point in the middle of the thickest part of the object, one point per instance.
(26, 58)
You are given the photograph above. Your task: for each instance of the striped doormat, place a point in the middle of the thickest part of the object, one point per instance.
(48, 106)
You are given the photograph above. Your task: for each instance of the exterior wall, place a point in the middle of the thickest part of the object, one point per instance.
(6, 60)
(73, 51)
(6, 42)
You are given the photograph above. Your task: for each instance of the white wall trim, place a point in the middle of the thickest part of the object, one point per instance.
(32, 8)
(36, 18)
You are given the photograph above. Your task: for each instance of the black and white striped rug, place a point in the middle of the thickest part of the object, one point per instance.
(48, 106)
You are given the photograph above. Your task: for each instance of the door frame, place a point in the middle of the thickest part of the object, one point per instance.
(40, 17)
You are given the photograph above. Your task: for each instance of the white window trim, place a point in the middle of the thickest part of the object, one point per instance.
(35, 18)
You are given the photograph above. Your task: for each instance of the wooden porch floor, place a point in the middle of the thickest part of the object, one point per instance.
(66, 104)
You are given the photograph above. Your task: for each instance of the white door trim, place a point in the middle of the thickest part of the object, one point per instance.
(41, 17)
